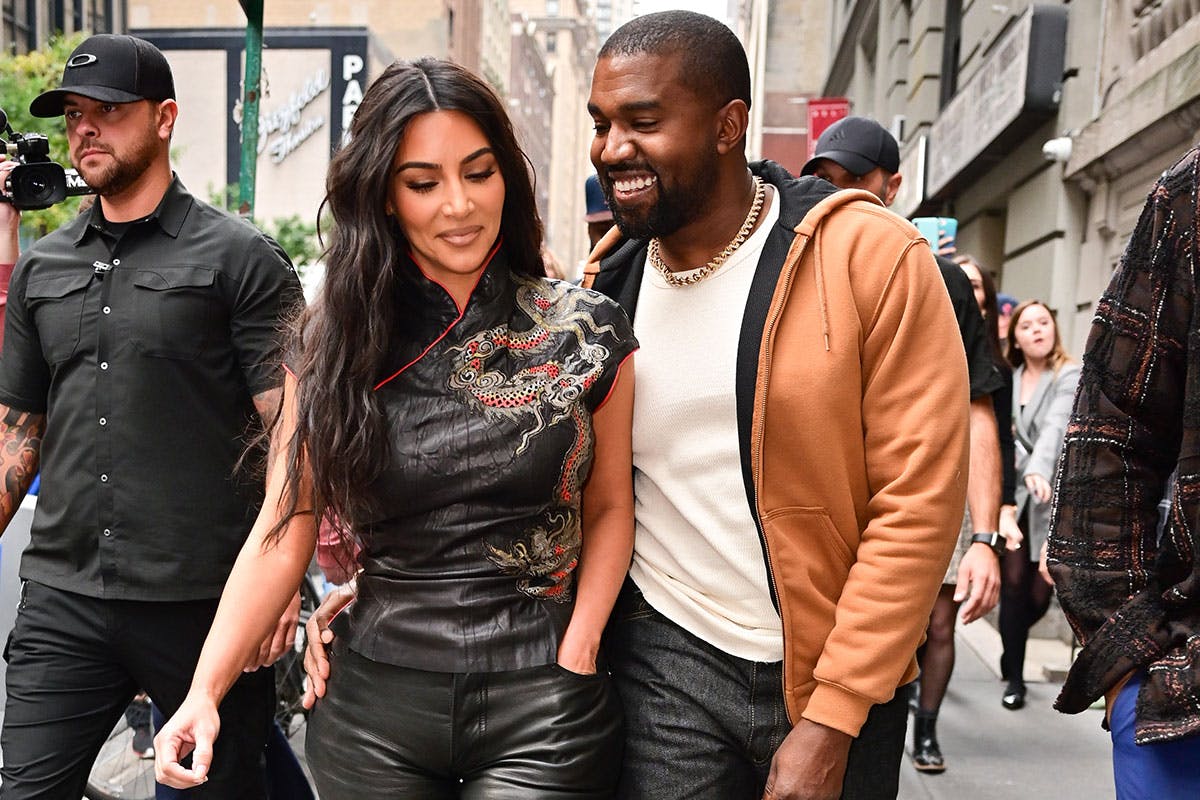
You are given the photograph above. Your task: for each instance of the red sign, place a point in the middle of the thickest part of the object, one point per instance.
(823, 112)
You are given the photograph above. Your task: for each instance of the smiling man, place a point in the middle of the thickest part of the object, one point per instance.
(800, 440)
(140, 341)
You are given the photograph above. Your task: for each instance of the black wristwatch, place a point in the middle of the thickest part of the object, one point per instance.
(991, 539)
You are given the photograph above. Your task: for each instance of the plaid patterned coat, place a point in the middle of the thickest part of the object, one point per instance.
(1134, 601)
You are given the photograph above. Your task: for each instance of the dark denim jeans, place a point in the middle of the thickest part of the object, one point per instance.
(701, 723)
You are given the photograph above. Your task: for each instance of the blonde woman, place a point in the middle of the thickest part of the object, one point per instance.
(1044, 381)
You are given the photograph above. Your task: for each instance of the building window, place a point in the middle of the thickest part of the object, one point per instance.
(18, 24)
(551, 42)
(77, 14)
(951, 49)
(58, 16)
(551, 8)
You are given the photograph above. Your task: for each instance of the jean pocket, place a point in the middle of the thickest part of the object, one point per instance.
(631, 605)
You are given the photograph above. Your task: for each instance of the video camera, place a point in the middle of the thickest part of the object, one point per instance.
(36, 182)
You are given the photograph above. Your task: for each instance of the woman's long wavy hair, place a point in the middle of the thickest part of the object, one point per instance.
(343, 340)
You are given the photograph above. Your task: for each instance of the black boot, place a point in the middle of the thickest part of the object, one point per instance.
(1014, 695)
(926, 755)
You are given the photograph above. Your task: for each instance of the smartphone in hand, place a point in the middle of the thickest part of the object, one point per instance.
(940, 232)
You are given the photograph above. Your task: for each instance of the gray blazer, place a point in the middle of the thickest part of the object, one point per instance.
(1038, 429)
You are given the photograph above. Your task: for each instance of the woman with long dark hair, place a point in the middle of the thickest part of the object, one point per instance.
(1044, 381)
(936, 657)
(467, 422)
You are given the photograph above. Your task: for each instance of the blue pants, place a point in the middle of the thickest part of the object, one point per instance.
(1159, 771)
(703, 725)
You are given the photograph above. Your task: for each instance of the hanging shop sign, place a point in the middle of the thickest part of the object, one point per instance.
(284, 128)
(1016, 88)
(823, 112)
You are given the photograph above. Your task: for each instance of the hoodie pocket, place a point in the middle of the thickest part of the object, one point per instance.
(810, 561)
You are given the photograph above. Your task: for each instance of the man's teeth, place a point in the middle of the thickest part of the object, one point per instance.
(636, 183)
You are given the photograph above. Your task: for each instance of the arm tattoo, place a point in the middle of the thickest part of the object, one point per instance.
(268, 405)
(20, 457)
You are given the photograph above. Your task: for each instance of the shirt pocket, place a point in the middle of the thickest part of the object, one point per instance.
(176, 311)
(56, 305)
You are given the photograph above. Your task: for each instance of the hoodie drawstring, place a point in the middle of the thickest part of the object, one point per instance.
(804, 235)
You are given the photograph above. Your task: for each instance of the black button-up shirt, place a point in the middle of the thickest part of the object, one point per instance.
(145, 350)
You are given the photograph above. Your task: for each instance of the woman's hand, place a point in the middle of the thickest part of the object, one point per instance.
(577, 656)
(1039, 487)
(10, 218)
(193, 730)
(318, 637)
(1009, 529)
(1043, 567)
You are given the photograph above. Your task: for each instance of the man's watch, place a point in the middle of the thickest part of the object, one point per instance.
(992, 539)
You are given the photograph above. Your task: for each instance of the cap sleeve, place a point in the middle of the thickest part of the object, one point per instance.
(614, 332)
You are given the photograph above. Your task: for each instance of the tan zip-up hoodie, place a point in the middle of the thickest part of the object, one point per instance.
(854, 439)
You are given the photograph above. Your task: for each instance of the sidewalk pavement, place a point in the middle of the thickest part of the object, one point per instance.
(996, 754)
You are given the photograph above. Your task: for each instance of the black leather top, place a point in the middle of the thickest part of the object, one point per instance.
(469, 565)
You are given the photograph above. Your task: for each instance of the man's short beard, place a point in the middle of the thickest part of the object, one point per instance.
(675, 208)
(118, 175)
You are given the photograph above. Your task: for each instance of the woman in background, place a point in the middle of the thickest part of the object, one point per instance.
(936, 656)
(1044, 381)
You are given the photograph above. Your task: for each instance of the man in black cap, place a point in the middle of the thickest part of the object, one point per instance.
(140, 346)
(859, 153)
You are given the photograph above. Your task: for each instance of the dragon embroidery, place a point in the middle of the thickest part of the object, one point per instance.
(547, 391)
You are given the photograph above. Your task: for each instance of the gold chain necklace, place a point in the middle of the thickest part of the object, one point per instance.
(700, 273)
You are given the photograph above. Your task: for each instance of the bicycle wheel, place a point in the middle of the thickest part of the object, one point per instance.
(120, 773)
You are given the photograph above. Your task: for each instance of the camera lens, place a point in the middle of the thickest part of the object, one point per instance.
(38, 185)
(30, 185)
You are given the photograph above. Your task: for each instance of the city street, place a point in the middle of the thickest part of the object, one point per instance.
(996, 754)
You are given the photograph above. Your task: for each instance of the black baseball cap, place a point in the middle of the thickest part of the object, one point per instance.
(859, 145)
(110, 68)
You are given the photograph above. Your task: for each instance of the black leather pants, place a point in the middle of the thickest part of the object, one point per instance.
(384, 731)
